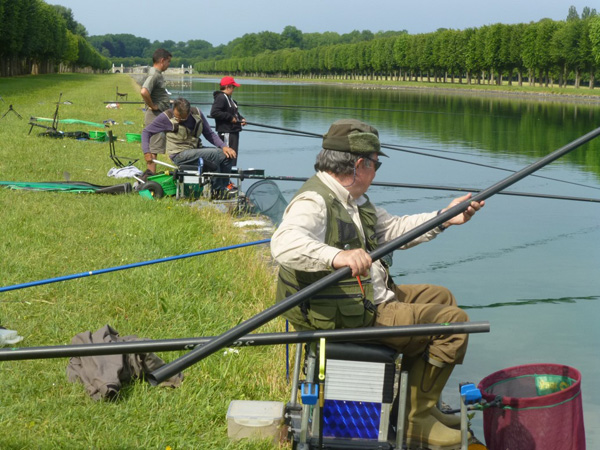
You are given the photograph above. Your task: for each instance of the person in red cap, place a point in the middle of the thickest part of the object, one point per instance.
(228, 120)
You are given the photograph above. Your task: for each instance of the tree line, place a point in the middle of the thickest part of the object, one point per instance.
(543, 52)
(36, 37)
(131, 50)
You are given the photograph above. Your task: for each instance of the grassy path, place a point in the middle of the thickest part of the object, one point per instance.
(53, 234)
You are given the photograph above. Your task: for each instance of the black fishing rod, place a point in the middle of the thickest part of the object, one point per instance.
(274, 132)
(410, 186)
(405, 149)
(446, 158)
(251, 340)
(142, 103)
(192, 357)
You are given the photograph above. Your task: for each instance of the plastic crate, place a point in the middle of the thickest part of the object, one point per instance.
(166, 182)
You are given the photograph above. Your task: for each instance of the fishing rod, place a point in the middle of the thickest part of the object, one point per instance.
(251, 340)
(142, 103)
(404, 149)
(192, 357)
(351, 108)
(446, 158)
(274, 132)
(127, 266)
(410, 186)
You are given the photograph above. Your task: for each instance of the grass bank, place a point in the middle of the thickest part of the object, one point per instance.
(551, 92)
(48, 234)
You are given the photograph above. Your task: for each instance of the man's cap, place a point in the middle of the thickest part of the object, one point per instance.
(353, 136)
(227, 81)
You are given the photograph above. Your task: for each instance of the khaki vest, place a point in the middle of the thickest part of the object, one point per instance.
(181, 138)
(342, 305)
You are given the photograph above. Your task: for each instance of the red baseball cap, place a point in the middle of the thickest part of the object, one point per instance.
(226, 81)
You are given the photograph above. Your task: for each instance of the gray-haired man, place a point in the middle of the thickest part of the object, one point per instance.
(330, 224)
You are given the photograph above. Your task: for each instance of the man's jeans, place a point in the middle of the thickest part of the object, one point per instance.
(214, 155)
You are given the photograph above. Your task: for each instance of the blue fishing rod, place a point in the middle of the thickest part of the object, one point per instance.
(216, 343)
(128, 266)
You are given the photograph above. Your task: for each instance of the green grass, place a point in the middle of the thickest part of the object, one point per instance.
(47, 235)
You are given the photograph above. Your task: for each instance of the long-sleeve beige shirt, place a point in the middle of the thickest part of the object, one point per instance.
(299, 242)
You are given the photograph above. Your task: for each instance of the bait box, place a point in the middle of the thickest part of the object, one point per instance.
(254, 419)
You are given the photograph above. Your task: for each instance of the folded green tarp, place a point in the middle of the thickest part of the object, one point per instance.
(68, 186)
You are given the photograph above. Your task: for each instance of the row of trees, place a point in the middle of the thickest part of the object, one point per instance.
(130, 50)
(39, 38)
(545, 52)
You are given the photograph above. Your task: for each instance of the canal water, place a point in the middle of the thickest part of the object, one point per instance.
(528, 266)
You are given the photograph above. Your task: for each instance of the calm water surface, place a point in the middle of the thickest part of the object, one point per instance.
(528, 266)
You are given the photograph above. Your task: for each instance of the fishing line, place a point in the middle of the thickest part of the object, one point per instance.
(499, 253)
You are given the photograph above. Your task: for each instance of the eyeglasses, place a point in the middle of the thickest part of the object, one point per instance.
(374, 161)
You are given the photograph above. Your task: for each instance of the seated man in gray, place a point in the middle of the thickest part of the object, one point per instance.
(183, 126)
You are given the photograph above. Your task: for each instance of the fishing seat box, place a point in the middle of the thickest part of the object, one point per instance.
(254, 419)
(359, 391)
(360, 382)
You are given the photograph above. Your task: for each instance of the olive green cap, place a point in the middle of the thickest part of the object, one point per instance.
(353, 136)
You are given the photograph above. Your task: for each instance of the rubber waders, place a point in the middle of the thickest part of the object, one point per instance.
(426, 382)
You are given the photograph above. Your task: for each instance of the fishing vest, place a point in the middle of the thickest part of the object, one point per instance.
(342, 305)
(181, 138)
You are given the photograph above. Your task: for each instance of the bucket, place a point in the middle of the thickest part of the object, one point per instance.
(133, 137)
(97, 135)
(541, 408)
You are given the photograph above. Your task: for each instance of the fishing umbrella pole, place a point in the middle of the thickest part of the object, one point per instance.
(192, 357)
(251, 340)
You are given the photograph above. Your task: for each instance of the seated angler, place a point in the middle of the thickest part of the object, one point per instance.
(330, 224)
(183, 126)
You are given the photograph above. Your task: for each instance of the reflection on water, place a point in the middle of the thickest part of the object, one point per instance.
(532, 301)
(528, 266)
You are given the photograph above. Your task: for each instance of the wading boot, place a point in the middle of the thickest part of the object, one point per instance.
(450, 420)
(426, 380)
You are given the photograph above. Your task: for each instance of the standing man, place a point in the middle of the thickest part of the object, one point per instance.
(228, 120)
(330, 224)
(155, 95)
(182, 127)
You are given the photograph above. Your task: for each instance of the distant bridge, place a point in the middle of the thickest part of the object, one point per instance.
(144, 69)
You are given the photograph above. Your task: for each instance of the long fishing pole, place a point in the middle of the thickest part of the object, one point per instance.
(276, 310)
(404, 149)
(446, 158)
(411, 186)
(251, 340)
(127, 266)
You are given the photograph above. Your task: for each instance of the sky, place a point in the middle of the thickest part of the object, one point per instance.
(219, 22)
